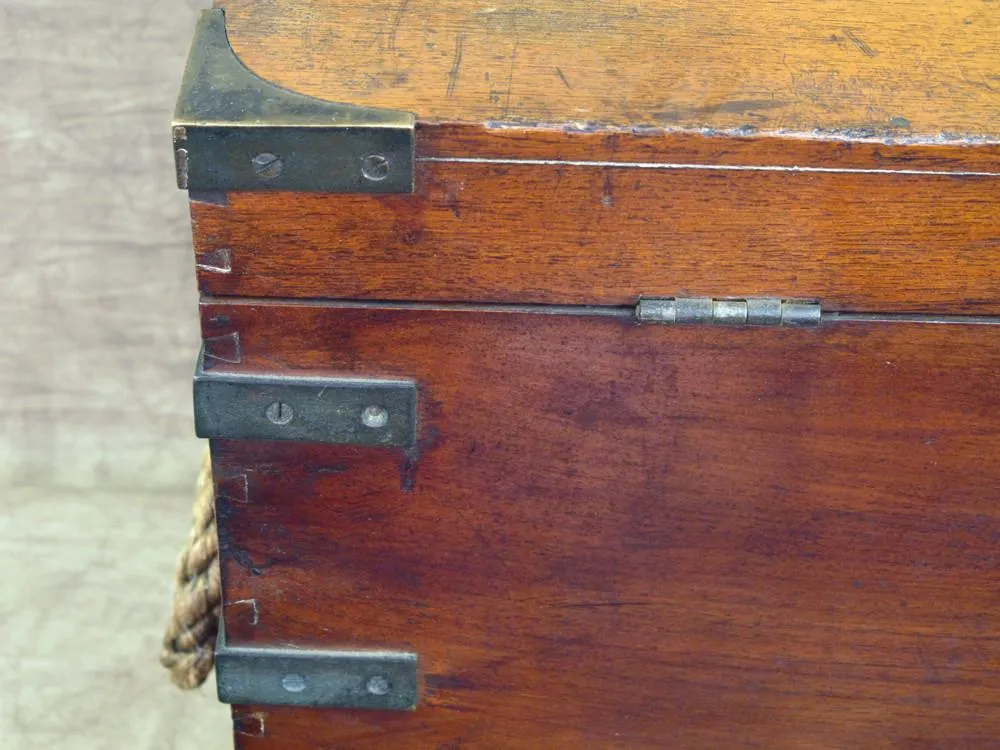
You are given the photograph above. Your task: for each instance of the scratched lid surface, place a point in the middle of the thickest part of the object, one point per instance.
(906, 70)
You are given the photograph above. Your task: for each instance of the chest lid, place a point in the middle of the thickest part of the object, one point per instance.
(589, 153)
(902, 70)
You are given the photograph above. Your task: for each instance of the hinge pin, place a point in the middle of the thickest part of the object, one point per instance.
(729, 312)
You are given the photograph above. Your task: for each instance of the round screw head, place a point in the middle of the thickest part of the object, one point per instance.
(279, 413)
(375, 167)
(266, 165)
(293, 683)
(378, 685)
(375, 417)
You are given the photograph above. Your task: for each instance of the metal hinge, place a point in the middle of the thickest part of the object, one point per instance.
(348, 411)
(729, 312)
(318, 678)
(235, 131)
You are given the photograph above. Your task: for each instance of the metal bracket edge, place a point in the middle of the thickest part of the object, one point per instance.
(344, 411)
(233, 130)
(316, 678)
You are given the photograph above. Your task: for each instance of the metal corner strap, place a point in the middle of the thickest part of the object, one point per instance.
(233, 130)
(346, 411)
(316, 678)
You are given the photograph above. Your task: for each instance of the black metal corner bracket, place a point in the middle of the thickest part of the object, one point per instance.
(344, 411)
(235, 131)
(287, 676)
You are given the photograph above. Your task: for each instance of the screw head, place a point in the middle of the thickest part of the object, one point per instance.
(375, 416)
(293, 683)
(279, 413)
(375, 167)
(267, 166)
(378, 685)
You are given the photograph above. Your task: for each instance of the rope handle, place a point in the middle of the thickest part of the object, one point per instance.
(189, 641)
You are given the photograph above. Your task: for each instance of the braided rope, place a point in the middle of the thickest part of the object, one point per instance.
(189, 641)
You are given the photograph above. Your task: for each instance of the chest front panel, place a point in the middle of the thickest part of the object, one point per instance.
(611, 535)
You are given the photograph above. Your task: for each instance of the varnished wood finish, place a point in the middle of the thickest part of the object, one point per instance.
(905, 68)
(608, 235)
(887, 95)
(659, 146)
(619, 536)
(614, 536)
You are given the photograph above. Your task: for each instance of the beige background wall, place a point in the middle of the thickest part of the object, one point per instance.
(98, 338)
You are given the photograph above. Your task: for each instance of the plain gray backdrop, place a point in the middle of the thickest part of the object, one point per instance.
(98, 339)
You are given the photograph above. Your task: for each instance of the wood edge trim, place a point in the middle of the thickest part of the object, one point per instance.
(637, 146)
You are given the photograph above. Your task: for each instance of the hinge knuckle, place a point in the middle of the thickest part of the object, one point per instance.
(765, 311)
(800, 314)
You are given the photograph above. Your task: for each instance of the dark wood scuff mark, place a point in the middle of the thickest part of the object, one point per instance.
(456, 65)
(510, 72)
(249, 725)
(562, 77)
(212, 197)
(396, 23)
(218, 260)
(607, 193)
(610, 603)
(860, 43)
(736, 106)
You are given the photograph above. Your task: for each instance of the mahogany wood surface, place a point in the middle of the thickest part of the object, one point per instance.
(571, 142)
(609, 235)
(621, 536)
(904, 69)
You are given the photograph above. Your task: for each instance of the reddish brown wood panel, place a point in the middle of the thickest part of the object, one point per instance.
(594, 235)
(619, 536)
(658, 146)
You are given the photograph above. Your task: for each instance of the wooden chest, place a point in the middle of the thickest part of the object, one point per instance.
(601, 374)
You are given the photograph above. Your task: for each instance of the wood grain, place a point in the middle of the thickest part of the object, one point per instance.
(900, 68)
(619, 536)
(609, 235)
(660, 146)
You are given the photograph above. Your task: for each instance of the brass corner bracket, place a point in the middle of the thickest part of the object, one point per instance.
(233, 130)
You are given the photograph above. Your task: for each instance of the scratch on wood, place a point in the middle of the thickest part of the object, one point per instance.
(702, 167)
(456, 65)
(607, 196)
(223, 349)
(860, 43)
(233, 488)
(607, 603)
(562, 77)
(219, 260)
(396, 22)
(252, 603)
(212, 197)
(249, 725)
(510, 73)
(735, 106)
